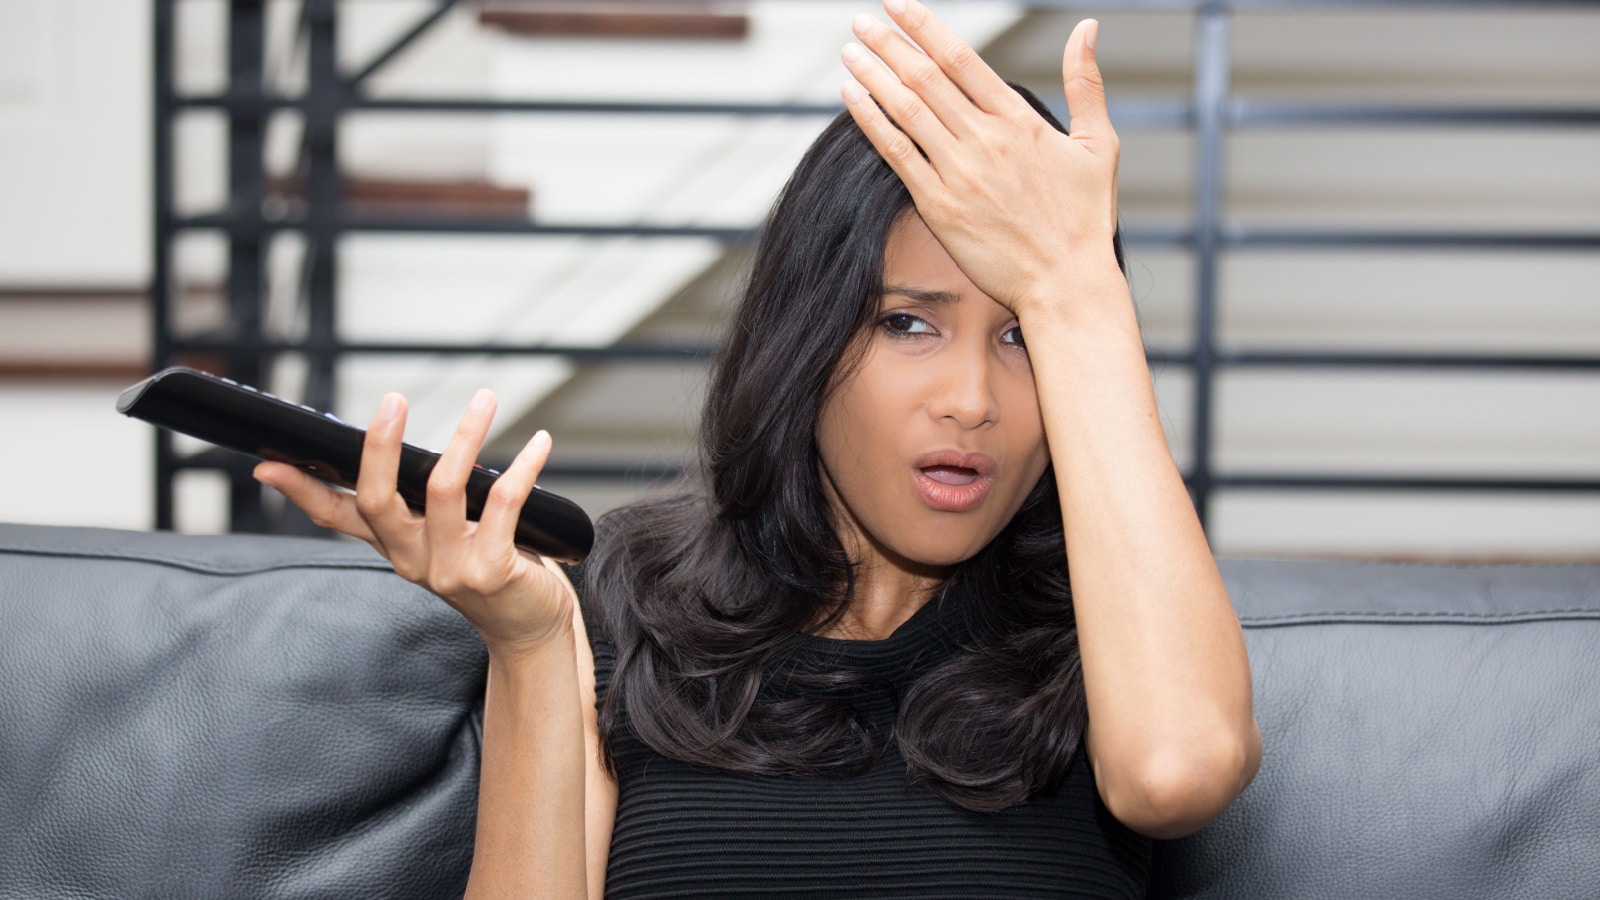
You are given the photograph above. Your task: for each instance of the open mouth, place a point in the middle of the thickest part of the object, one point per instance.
(953, 475)
(952, 480)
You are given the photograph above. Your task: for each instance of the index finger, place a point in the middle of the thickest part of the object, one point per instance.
(325, 506)
(956, 57)
(377, 479)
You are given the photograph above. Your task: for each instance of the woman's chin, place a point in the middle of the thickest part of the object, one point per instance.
(936, 555)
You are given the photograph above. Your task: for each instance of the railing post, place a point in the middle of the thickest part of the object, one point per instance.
(161, 255)
(1211, 89)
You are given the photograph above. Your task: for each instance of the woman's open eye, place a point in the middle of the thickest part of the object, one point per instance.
(1013, 335)
(902, 324)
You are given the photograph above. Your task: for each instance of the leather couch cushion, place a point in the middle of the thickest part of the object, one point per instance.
(241, 717)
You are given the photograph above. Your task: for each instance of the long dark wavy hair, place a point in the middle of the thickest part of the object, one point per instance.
(708, 592)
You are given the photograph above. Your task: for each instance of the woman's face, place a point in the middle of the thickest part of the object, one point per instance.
(931, 444)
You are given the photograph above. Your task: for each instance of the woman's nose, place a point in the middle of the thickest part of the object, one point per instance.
(964, 391)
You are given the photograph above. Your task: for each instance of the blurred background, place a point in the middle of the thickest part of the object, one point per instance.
(1364, 240)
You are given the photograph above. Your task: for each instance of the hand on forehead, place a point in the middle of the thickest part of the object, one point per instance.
(1007, 194)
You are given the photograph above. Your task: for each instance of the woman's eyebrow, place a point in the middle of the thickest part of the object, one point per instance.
(933, 298)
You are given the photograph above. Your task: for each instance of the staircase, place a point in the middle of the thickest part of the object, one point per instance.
(663, 170)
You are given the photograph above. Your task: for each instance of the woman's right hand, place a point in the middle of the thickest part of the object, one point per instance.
(516, 601)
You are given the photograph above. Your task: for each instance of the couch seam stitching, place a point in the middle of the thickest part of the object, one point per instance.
(376, 565)
(1441, 614)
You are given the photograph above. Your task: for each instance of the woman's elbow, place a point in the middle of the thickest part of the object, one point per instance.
(1173, 792)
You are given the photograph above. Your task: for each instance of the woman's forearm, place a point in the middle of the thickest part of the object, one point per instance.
(1171, 734)
(530, 835)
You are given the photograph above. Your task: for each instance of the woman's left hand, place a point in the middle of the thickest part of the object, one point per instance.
(1016, 203)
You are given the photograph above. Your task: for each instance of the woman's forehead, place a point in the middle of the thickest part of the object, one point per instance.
(914, 260)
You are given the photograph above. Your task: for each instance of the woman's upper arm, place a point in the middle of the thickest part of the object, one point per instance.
(600, 788)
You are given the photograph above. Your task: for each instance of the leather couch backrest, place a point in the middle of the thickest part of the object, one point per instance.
(1428, 731)
(229, 717)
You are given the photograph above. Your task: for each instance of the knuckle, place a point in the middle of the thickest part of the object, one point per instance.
(1017, 111)
(924, 74)
(996, 146)
(1031, 123)
(446, 583)
(408, 570)
(1089, 80)
(502, 500)
(907, 111)
(443, 488)
(368, 505)
(899, 150)
(960, 56)
(480, 582)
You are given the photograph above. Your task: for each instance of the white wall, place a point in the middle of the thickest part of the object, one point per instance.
(74, 211)
(74, 134)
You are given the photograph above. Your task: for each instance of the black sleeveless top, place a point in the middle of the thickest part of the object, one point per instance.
(690, 831)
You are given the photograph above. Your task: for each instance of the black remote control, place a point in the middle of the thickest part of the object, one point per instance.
(242, 418)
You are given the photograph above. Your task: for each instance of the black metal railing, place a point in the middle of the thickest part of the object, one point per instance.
(1211, 113)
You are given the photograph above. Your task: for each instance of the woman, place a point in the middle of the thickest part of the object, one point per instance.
(856, 659)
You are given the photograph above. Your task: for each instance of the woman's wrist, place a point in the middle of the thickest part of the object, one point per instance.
(1081, 291)
(521, 654)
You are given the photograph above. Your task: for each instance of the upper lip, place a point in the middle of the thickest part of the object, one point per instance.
(977, 462)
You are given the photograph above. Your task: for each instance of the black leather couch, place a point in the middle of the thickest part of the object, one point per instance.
(266, 717)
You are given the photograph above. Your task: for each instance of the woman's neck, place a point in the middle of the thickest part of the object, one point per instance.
(888, 591)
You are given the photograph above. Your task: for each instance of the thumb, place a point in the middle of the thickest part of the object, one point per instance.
(1085, 89)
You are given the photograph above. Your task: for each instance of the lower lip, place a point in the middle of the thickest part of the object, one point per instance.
(950, 497)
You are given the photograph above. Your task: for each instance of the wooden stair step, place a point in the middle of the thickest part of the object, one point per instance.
(652, 19)
(379, 196)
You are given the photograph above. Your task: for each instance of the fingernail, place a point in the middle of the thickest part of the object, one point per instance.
(1094, 32)
(852, 92)
(895, 6)
(861, 24)
(540, 437)
(482, 400)
(851, 52)
(389, 407)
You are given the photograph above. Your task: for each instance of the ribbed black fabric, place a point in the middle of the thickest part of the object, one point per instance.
(690, 831)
